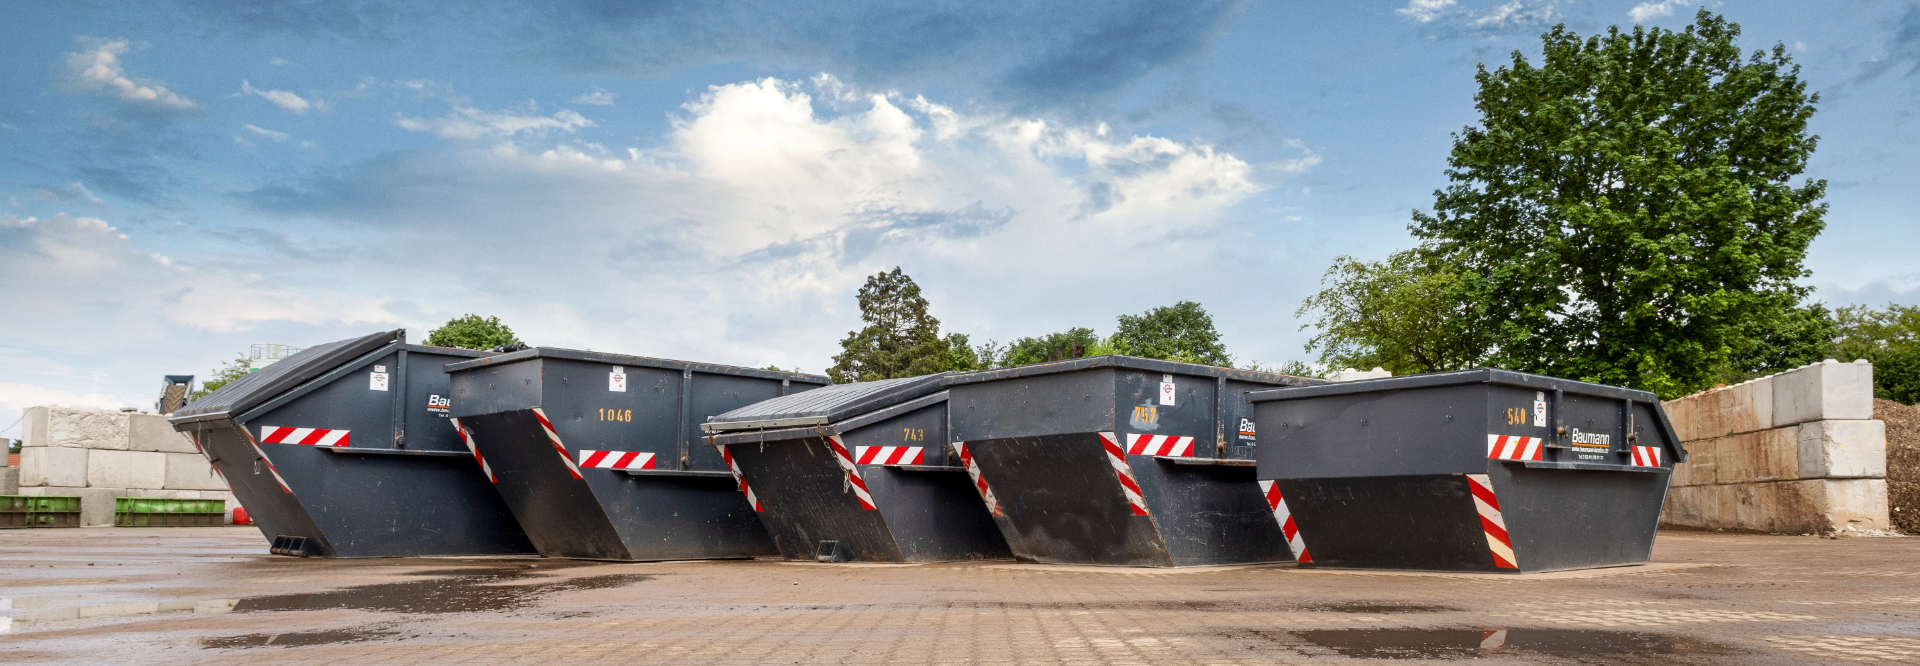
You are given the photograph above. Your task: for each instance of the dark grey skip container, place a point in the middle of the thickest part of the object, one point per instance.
(599, 455)
(1118, 460)
(1478, 470)
(858, 472)
(347, 449)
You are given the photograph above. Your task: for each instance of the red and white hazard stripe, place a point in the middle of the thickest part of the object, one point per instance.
(1160, 445)
(1491, 521)
(854, 481)
(1511, 447)
(1279, 506)
(616, 459)
(265, 460)
(307, 436)
(979, 480)
(467, 437)
(1128, 484)
(557, 446)
(1646, 456)
(888, 455)
(739, 478)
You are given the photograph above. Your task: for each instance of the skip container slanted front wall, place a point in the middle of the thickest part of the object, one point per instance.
(871, 482)
(350, 446)
(1481, 470)
(1118, 460)
(599, 455)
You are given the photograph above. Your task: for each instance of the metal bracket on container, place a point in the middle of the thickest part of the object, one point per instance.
(1212, 462)
(361, 450)
(928, 468)
(677, 472)
(1597, 467)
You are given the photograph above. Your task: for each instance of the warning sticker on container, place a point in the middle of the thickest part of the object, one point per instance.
(1540, 409)
(1246, 429)
(439, 405)
(377, 380)
(617, 380)
(1166, 390)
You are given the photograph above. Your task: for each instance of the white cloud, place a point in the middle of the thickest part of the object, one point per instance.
(599, 97)
(99, 70)
(280, 98)
(1646, 11)
(276, 136)
(1517, 12)
(470, 123)
(1424, 11)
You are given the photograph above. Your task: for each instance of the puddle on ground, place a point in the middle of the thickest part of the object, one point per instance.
(299, 638)
(1377, 608)
(1469, 643)
(493, 591)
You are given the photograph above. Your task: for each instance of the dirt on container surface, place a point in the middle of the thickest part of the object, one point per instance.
(1903, 463)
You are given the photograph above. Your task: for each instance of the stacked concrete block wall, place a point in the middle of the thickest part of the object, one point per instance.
(100, 454)
(1798, 452)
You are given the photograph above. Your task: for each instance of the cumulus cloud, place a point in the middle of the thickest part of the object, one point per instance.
(599, 97)
(99, 70)
(280, 98)
(470, 123)
(1518, 12)
(740, 234)
(276, 136)
(1646, 11)
(90, 290)
(1424, 11)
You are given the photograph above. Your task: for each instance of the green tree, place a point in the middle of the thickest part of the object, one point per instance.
(1179, 332)
(223, 375)
(900, 338)
(1890, 339)
(1397, 314)
(472, 332)
(1624, 212)
(1072, 343)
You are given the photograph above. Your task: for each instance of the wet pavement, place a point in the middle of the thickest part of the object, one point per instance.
(213, 596)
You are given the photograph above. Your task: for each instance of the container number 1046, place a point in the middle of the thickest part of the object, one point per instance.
(622, 415)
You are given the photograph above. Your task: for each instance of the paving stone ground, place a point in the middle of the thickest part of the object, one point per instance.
(212, 596)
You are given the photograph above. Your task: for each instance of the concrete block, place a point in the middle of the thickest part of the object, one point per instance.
(1350, 375)
(1703, 462)
(190, 471)
(1843, 449)
(1687, 507)
(1680, 413)
(126, 469)
(1782, 454)
(9, 480)
(1850, 504)
(53, 466)
(1826, 391)
(33, 427)
(96, 504)
(85, 428)
(151, 432)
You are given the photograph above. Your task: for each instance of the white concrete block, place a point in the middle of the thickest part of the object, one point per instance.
(33, 427)
(9, 480)
(151, 432)
(1843, 450)
(1826, 391)
(1350, 374)
(1854, 504)
(126, 469)
(191, 471)
(86, 428)
(53, 466)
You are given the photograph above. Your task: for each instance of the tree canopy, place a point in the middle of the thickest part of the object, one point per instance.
(1623, 213)
(472, 332)
(223, 375)
(1179, 332)
(900, 339)
(1890, 339)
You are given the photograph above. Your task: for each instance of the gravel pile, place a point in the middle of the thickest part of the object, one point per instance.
(1903, 463)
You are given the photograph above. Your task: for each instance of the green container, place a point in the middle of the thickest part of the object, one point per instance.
(39, 511)
(159, 512)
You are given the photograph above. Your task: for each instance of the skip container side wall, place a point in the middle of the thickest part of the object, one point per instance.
(685, 506)
(1037, 442)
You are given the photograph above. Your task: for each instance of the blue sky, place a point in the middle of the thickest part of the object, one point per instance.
(670, 179)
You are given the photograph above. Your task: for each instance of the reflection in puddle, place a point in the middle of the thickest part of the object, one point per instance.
(298, 638)
(457, 594)
(1459, 643)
